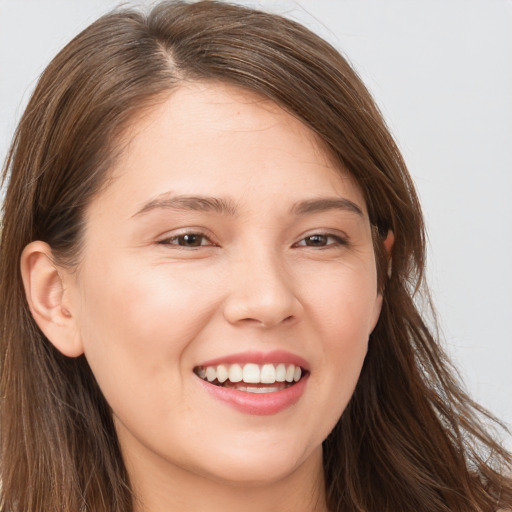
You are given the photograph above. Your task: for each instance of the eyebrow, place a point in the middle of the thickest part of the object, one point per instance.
(228, 207)
(326, 204)
(188, 203)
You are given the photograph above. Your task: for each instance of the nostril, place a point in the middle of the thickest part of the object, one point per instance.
(267, 323)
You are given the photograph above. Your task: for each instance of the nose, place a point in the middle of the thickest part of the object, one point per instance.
(261, 293)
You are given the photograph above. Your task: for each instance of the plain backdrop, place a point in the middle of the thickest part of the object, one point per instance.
(441, 71)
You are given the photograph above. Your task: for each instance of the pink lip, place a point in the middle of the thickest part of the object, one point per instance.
(273, 357)
(258, 403)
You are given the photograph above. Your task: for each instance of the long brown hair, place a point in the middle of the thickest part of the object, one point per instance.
(410, 438)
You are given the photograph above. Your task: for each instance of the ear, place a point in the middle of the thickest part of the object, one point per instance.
(388, 246)
(48, 298)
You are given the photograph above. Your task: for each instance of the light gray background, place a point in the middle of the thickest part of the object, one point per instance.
(441, 71)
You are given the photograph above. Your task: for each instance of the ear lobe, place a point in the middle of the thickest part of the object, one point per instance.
(48, 298)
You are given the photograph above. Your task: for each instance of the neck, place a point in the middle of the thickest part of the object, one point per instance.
(164, 488)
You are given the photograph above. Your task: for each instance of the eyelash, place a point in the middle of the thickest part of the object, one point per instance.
(338, 240)
(202, 236)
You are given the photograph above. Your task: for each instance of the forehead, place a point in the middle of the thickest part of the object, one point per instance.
(217, 139)
(214, 111)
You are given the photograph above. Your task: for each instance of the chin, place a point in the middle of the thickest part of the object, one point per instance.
(257, 468)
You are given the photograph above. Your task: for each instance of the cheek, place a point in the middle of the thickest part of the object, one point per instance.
(345, 312)
(136, 323)
(134, 302)
(345, 301)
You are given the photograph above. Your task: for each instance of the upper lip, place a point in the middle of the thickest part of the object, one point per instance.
(273, 357)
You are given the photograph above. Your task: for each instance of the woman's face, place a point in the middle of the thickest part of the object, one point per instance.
(227, 246)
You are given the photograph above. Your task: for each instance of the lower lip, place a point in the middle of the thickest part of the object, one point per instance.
(258, 403)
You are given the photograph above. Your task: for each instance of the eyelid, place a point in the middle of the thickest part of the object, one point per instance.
(172, 235)
(342, 239)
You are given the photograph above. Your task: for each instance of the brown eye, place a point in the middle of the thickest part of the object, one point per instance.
(192, 240)
(316, 240)
(189, 240)
(322, 240)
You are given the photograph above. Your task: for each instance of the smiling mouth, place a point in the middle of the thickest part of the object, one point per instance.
(251, 377)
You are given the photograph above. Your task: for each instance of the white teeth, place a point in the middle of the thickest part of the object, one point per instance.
(267, 389)
(235, 373)
(211, 374)
(251, 373)
(268, 374)
(290, 371)
(222, 373)
(281, 373)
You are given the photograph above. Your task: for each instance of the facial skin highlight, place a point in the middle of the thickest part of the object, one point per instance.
(226, 235)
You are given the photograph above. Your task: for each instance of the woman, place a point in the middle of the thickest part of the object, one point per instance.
(219, 247)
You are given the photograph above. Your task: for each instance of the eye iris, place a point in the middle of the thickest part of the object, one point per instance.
(190, 240)
(316, 240)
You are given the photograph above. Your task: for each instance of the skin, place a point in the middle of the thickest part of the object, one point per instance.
(146, 310)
